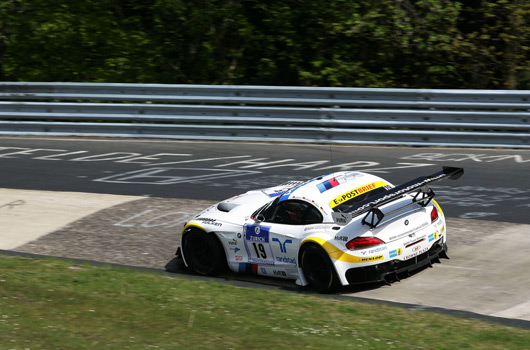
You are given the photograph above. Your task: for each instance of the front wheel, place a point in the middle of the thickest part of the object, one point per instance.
(318, 270)
(203, 252)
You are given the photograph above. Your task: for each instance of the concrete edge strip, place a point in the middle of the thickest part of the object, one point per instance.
(36, 213)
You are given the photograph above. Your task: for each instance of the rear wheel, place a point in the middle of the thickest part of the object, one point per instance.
(318, 270)
(203, 252)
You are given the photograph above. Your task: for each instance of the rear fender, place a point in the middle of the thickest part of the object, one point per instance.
(333, 252)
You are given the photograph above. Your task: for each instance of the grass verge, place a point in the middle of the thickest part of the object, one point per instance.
(53, 304)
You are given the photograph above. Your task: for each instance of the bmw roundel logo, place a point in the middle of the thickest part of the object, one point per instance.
(406, 222)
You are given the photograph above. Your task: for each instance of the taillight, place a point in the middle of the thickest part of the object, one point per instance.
(363, 242)
(434, 214)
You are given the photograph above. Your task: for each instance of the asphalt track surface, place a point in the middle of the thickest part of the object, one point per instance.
(121, 202)
(495, 185)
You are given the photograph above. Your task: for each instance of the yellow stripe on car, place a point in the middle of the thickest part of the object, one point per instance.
(191, 224)
(438, 207)
(337, 254)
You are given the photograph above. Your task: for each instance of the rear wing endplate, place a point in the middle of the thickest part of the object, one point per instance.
(372, 205)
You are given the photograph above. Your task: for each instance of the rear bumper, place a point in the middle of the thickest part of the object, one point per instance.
(391, 270)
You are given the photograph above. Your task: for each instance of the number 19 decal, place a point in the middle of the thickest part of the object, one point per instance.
(258, 245)
(260, 250)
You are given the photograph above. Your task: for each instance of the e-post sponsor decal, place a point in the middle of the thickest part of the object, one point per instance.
(355, 192)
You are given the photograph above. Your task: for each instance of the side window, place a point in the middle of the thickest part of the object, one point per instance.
(293, 212)
(313, 216)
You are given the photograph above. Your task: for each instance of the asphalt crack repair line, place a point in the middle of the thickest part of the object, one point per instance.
(487, 272)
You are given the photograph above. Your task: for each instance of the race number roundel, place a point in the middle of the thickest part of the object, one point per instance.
(257, 244)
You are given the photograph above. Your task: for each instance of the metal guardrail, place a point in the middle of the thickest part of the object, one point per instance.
(463, 118)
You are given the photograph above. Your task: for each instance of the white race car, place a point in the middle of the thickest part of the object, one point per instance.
(338, 229)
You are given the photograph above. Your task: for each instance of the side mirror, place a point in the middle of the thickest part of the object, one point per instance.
(259, 218)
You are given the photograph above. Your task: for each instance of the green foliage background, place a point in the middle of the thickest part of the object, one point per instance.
(363, 43)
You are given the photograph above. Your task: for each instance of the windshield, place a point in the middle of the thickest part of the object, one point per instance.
(264, 207)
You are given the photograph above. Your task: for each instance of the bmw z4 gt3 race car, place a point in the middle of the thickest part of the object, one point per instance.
(338, 229)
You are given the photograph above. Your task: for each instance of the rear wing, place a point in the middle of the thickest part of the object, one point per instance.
(372, 205)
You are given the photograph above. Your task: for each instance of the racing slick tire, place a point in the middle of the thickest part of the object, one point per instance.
(203, 252)
(318, 270)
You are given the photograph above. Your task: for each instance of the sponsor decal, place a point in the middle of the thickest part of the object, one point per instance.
(279, 273)
(286, 260)
(206, 219)
(433, 236)
(282, 245)
(373, 251)
(263, 271)
(416, 253)
(400, 235)
(257, 244)
(316, 227)
(340, 218)
(209, 221)
(370, 258)
(239, 258)
(341, 238)
(232, 242)
(409, 232)
(257, 234)
(414, 241)
(355, 192)
(326, 185)
(396, 252)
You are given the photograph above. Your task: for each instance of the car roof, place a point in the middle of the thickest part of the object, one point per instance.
(331, 190)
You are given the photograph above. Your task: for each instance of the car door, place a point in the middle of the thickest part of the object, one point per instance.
(275, 239)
